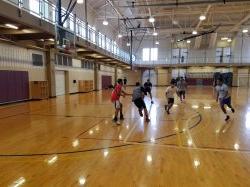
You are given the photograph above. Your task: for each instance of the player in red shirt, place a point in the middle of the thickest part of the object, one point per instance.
(115, 98)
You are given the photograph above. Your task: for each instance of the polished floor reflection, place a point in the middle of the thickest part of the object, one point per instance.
(72, 141)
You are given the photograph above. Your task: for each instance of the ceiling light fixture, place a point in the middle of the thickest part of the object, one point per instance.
(157, 42)
(155, 33)
(202, 17)
(151, 19)
(224, 38)
(105, 22)
(128, 44)
(11, 26)
(119, 35)
(194, 32)
(80, 1)
(229, 40)
(245, 30)
(188, 41)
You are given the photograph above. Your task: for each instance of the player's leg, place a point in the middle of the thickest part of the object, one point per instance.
(143, 106)
(222, 106)
(170, 104)
(121, 113)
(229, 104)
(184, 95)
(151, 97)
(117, 109)
(137, 104)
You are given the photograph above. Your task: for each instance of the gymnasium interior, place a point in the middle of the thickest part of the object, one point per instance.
(59, 63)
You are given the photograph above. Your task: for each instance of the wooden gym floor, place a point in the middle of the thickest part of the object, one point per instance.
(71, 141)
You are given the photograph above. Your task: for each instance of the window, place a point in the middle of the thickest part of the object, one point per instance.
(145, 54)
(150, 54)
(37, 59)
(34, 7)
(154, 54)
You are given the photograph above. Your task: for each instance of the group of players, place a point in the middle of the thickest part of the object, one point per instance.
(177, 86)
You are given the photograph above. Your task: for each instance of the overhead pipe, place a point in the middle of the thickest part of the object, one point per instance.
(189, 3)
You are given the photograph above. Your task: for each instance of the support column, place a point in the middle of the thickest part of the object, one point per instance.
(115, 77)
(50, 61)
(169, 75)
(96, 76)
(235, 77)
(248, 81)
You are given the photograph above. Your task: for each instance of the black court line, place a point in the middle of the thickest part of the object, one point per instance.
(86, 150)
(146, 141)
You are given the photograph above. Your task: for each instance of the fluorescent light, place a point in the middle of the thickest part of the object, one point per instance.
(105, 22)
(157, 42)
(151, 19)
(155, 33)
(80, 1)
(202, 17)
(128, 44)
(119, 36)
(229, 40)
(11, 26)
(224, 38)
(51, 39)
(188, 41)
(245, 30)
(175, 22)
(194, 32)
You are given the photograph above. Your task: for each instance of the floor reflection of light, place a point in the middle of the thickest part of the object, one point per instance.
(97, 128)
(91, 132)
(152, 140)
(18, 182)
(52, 160)
(82, 181)
(127, 126)
(207, 107)
(184, 130)
(236, 146)
(217, 131)
(175, 105)
(195, 106)
(105, 153)
(106, 121)
(248, 119)
(153, 115)
(190, 142)
(75, 143)
(149, 158)
(196, 163)
(120, 137)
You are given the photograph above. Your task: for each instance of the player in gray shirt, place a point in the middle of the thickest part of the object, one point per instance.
(137, 97)
(223, 97)
(181, 88)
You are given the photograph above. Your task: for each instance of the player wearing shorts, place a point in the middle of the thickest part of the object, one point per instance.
(148, 88)
(181, 88)
(115, 98)
(138, 99)
(170, 91)
(223, 97)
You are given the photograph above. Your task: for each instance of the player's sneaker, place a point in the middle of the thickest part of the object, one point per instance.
(227, 118)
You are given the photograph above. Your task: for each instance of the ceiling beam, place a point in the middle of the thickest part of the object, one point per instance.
(243, 20)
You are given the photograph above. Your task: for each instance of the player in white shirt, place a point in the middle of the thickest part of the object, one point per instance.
(170, 91)
(223, 97)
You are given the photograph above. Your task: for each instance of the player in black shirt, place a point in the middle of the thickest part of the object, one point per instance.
(148, 88)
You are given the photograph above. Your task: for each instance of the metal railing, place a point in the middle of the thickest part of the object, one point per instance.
(46, 10)
(196, 60)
